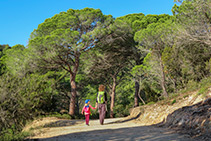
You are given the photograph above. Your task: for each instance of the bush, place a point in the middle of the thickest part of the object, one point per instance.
(185, 96)
(150, 103)
(205, 84)
(22, 99)
(173, 96)
(58, 115)
(12, 134)
(192, 85)
(174, 101)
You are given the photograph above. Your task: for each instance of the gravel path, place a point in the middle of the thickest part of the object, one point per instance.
(117, 129)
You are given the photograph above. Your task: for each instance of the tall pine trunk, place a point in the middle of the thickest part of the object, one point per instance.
(163, 79)
(113, 92)
(136, 103)
(137, 85)
(73, 84)
(73, 95)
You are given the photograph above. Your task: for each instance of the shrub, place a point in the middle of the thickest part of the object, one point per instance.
(150, 103)
(12, 134)
(185, 96)
(174, 101)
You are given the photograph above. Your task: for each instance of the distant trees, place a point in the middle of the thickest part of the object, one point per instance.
(194, 20)
(194, 32)
(17, 61)
(3, 48)
(135, 22)
(154, 39)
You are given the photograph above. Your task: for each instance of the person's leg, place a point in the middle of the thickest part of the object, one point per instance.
(103, 113)
(87, 119)
(100, 112)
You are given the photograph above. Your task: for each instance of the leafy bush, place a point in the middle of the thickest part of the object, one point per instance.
(185, 96)
(22, 99)
(174, 101)
(150, 103)
(173, 96)
(12, 134)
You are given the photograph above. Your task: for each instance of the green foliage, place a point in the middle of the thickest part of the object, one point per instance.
(60, 41)
(204, 86)
(208, 65)
(173, 96)
(150, 103)
(192, 85)
(134, 20)
(12, 134)
(203, 90)
(23, 99)
(124, 99)
(174, 101)
(3, 49)
(149, 79)
(185, 96)
(58, 115)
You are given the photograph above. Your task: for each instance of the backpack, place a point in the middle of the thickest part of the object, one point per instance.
(100, 97)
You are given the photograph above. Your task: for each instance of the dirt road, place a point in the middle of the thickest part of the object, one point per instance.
(113, 130)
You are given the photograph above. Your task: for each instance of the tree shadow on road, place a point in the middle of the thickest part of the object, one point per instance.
(63, 123)
(125, 120)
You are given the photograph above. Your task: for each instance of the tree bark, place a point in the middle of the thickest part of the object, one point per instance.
(137, 85)
(73, 94)
(140, 97)
(73, 73)
(136, 103)
(113, 92)
(163, 79)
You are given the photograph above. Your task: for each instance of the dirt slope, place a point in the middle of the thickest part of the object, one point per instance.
(190, 114)
(158, 112)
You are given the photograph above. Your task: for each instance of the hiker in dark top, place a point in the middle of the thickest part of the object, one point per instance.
(101, 103)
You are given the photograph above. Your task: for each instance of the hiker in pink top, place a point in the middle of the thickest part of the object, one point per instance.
(86, 110)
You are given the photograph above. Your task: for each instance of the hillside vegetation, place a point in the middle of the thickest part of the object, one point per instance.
(141, 59)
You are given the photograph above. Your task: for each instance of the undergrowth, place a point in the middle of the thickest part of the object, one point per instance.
(12, 134)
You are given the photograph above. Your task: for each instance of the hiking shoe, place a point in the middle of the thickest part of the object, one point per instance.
(87, 124)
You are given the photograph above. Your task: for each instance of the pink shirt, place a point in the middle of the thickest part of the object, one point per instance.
(87, 110)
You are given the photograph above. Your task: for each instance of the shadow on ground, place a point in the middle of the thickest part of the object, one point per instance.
(149, 133)
(63, 123)
(122, 121)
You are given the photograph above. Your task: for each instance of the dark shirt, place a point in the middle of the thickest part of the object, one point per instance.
(105, 96)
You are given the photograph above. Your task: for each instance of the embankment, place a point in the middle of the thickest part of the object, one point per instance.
(189, 114)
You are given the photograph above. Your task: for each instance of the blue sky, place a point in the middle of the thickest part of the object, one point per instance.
(20, 17)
